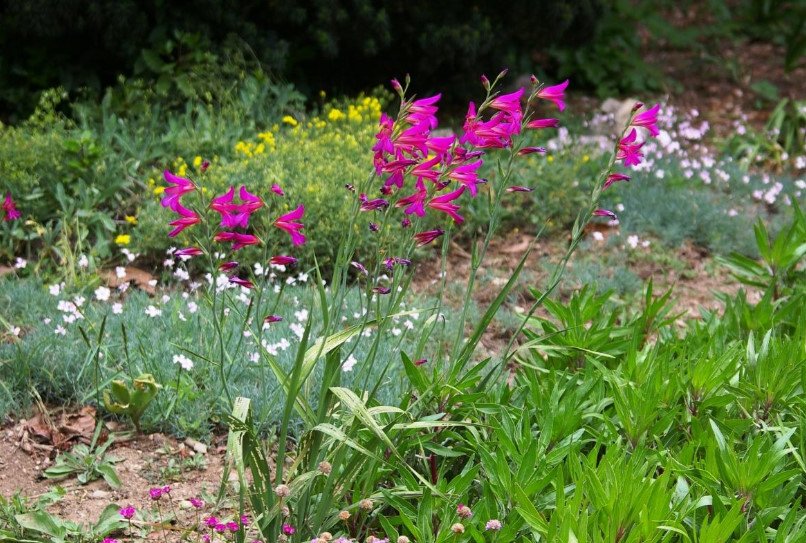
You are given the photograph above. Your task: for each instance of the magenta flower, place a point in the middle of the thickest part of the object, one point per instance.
(187, 218)
(372, 205)
(537, 124)
(628, 150)
(227, 266)
(424, 238)
(204, 165)
(211, 522)
(426, 169)
(238, 240)
(166, 490)
(275, 188)
(440, 146)
(605, 213)
(518, 188)
(373, 227)
(382, 290)
(128, 512)
(360, 267)
(397, 168)
(220, 528)
(531, 150)
(614, 178)
(414, 203)
(413, 141)
(179, 187)
(420, 362)
(233, 526)
(236, 215)
(197, 503)
(189, 251)
(288, 529)
(283, 260)
(272, 318)
(405, 223)
(648, 119)
(467, 175)
(155, 493)
(245, 520)
(554, 94)
(286, 223)
(443, 203)
(423, 111)
(110, 540)
(510, 104)
(10, 209)
(396, 260)
(493, 525)
(246, 283)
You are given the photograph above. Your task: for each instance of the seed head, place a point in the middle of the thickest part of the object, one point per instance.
(365, 504)
(458, 528)
(282, 491)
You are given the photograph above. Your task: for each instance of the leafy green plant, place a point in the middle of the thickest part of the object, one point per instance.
(131, 400)
(87, 462)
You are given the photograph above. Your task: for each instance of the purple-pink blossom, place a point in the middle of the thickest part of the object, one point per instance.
(11, 213)
(628, 150)
(424, 238)
(648, 119)
(287, 223)
(128, 512)
(555, 94)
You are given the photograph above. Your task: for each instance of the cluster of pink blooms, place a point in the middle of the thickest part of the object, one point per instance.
(10, 211)
(629, 147)
(442, 169)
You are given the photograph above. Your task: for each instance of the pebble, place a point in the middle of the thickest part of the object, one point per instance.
(197, 446)
(100, 495)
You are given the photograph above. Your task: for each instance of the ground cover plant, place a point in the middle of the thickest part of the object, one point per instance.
(288, 294)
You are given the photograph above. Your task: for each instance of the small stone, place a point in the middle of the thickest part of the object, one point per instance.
(197, 446)
(100, 495)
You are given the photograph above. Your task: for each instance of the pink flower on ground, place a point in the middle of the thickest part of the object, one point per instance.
(443, 204)
(10, 209)
(615, 178)
(288, 529)
(628, 150)
(648, 119)
(238, 240)
(537, 124)
(554, 94)
(493, 525)
(233, 526)
(155, 493)
(180, 186)
(286, 223)
(128, 512)
(424, 238)
(197, 503)
(211, 522)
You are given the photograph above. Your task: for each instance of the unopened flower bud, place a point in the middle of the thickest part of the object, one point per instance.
(503, 73)
(325, 467)
(485, 82)
(403, 539)
(637, 106)
(327, 536)
(344, 515)
(365, 504)
(285, 511)
(282, 538)
(464, 511)
(282, 491)
(458, 528)
(493, 524)
(533, 79)
(397, 87)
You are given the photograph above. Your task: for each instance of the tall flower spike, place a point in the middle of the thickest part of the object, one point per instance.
(287, 224)
(648, 119)
(555, 93)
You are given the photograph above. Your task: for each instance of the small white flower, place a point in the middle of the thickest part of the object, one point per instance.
(193, 307)
(120, 272)
(55, 290)
(396, 331)
(123, 287)
(302, 278)
(632, 241)
(20, 263)
(301, 315)
(182, 317)
(168, 263)
(598, 236)
(254, 357)
(152, 311)
(83, 261)
(298, 329)
(349, 364)
(184, 361)
(102, 294)
(166, 298)
(117, 308)
(60, 330)
(181, 274)
(47, 320)
(79, 300)
(152, 283)
(15, 330)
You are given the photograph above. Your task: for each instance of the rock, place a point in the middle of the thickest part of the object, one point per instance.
(197, 446)
(100, 495)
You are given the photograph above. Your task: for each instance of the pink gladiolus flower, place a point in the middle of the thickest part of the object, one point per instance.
(614, 178)
(238, 241)
(272, 318)
(425, 169)
(166, 490)
(382, 290)
(286, 223)
(467, 175)
(236, 215)
(10, 209)
(424, 238)
(360, 267)
(242, 282)
(415, 202)
(396, 260)
(423, 111)
(173, 193)
(413, 139)
(518, 188)
(372, 205)
(288, 529)
(283, 260)
(397, 169)
(648, 119)
(443, 203)
(189, 251)
(510, 104)
(628, 150)
(440, 146)
(398, 88)
(554, 94)
(188, 218)
(605, 213)
(275, 188)
(537, 124)
(227, 266)
(531, 150)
